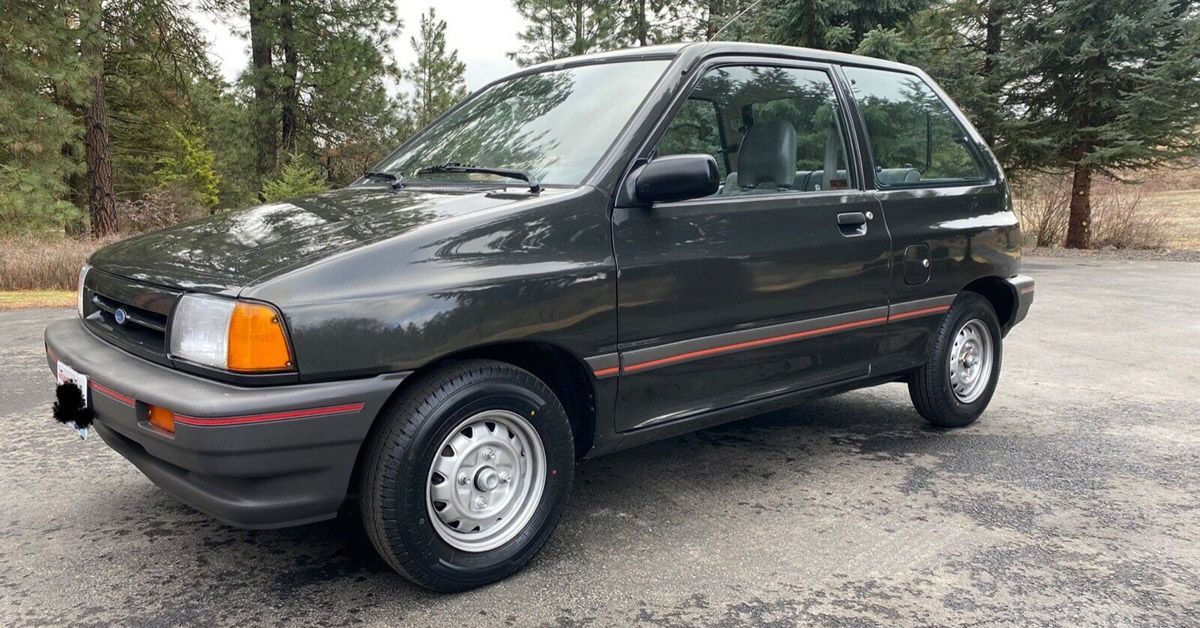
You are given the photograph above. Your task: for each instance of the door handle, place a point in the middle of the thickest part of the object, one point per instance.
(852, 219)
(852, 224)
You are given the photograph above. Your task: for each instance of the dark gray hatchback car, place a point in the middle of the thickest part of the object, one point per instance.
(586, 255)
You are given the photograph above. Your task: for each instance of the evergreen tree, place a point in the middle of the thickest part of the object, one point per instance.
(191, 164)
(1103, 87)
(436, 75)
(41, 77)
(837, 25)
(299, 177)
(564, 28)
(316, 74)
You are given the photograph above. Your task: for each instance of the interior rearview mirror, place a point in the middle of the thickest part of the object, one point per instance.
(677, 178)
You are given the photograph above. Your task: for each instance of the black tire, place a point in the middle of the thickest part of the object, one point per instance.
(401, 450)
(929, 385)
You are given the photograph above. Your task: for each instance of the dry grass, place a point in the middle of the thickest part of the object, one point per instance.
(43, 264)
(1181, 210)
(21, 299)
(1148, 215)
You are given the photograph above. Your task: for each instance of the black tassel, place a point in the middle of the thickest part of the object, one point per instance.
(69, 407)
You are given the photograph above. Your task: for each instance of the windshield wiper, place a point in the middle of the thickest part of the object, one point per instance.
(397, 181)
(451, 167)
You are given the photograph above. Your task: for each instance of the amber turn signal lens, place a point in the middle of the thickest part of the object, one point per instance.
(162, 418)
(257, 342)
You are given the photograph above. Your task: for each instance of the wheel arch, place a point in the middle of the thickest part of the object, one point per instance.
(1001, 294)
(565, 374)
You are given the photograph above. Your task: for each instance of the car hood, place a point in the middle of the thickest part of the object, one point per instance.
(231, 250)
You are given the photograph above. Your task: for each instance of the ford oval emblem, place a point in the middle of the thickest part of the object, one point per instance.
(120, 316)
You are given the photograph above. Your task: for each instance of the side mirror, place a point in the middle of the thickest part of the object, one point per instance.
(676, 178)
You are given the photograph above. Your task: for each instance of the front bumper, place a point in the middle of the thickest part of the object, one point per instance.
(254, 457)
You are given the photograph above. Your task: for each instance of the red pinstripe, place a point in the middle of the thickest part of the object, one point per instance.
(753, 343)
(268, 417)
(108, 392)
(915, 313)
(749, 344)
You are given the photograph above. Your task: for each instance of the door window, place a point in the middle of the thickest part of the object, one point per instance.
(915, 139)
(771, 129)
(696, 129)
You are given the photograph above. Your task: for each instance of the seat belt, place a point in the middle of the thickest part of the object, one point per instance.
(831, 154)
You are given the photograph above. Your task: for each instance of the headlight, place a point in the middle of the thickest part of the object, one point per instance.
(79, 292)
(231, 335)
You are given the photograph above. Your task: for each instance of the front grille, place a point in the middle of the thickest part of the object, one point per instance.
(142, 308)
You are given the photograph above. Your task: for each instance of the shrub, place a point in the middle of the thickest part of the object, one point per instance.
(191, 164)
(162, 207)
(299, 177)
(29, 263)
(1120, 218)
(1042, 203)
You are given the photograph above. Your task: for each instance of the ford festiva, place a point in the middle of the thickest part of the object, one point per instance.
(589, 254)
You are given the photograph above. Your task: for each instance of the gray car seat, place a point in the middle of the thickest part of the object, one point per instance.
(766, 159)
(892, 176)
(817, 179)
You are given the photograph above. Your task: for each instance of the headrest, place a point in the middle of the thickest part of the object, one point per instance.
(768, 155)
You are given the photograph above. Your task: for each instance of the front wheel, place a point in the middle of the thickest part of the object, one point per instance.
(962, 369)
(467, 476)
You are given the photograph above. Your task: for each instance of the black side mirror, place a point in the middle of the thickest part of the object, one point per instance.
(676, 178)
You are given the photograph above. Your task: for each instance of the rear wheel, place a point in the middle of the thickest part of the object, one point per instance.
(467, 475)
(960, 374)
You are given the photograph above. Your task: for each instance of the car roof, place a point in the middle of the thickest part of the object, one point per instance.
(690, 52)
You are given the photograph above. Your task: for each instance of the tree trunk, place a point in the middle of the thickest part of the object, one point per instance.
(1079, 229)
(643, 30)
(580, 46)
(993, 39)
(102, 206)
(714, 14)
(264, 93)
(291, 102)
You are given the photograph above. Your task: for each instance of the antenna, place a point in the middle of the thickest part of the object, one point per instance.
(734, 19)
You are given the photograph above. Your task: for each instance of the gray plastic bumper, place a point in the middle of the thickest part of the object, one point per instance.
(254, 457)
(1023, 288)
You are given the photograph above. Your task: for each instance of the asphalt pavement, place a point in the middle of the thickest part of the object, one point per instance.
(1075, 500)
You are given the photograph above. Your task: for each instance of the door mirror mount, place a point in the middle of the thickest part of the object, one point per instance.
(675, 178)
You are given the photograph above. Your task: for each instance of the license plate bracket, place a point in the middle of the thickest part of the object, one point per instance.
(66, 374)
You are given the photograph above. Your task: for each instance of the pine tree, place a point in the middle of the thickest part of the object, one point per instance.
(317, 74)
(564, 28)
(299, 177)
(436, 75)
(837, 25)
(1103, 87)
(41, 77)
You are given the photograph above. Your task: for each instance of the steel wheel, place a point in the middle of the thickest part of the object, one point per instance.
(486, 481)
(971, 359)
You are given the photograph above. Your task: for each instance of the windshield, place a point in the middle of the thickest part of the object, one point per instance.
(555, 124)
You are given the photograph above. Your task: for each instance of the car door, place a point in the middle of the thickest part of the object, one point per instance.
(946, 206)
(777, 282)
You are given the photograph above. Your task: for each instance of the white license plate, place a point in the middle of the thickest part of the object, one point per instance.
(68, 374)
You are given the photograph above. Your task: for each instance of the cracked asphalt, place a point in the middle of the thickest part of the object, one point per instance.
(1074, 500)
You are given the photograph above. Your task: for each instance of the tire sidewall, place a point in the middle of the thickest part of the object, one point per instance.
(412, 531)
(968, 307)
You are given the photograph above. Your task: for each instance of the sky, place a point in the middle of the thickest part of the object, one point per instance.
(481, 30)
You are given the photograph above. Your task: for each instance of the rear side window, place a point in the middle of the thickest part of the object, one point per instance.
(914, 137)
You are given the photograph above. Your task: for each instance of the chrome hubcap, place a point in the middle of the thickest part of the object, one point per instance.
(971, 361)
(486, 481)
